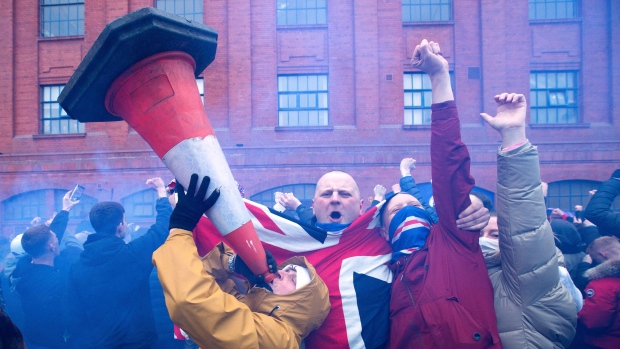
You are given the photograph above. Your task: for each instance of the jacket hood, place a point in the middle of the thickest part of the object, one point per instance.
(101, 248)
(609, 268)
(567, 237)
(304, 309)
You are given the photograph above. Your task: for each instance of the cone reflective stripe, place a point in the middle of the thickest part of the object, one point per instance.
(159, 98)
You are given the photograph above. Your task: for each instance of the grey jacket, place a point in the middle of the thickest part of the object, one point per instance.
(533, 308)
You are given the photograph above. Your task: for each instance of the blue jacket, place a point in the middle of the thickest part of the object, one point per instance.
(109, 301)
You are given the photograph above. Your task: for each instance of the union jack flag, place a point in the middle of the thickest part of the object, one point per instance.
(352, 262)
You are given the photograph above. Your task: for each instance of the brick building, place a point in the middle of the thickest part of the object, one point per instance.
(301, 87)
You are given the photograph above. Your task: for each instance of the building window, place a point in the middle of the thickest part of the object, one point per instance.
(26, 206)
(553, 97)
(303, 192)
(200, 82)
(427, 10)
(54, 120)
(190, 9)
(418, 98)
(140, 204)
(302, 100)
(300, 12)
(566, 194)
(553, 9)
(62, 17)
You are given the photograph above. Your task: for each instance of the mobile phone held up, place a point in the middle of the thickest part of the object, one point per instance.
(76, 194)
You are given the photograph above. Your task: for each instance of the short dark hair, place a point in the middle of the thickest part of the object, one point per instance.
(35, 239)
(106, 216)
(486, 200)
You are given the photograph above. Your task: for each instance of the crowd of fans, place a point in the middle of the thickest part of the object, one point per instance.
(551, 277)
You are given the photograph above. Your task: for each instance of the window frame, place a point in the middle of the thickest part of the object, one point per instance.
(408, 6)
(47, 10)
(553, 90)
(426, 92)
(46, 98)
(534, 6)
(196, 16)
(283, 14)
(321, 104)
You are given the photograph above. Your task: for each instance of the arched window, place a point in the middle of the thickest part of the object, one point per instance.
(566, 194)
(140, 204)
(25, 206)
(303, 192)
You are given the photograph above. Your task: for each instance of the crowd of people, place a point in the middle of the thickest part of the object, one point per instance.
(457, 272)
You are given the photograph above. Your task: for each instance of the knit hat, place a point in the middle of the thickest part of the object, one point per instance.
(567, 237)
(303, 275)
(16, 246)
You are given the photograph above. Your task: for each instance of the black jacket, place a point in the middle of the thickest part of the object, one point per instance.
(109, 301)
(42, 291)
(599, 210)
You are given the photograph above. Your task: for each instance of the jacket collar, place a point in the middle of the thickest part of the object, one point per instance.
(609, 268)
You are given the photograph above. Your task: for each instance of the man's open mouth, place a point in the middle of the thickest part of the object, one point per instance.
(335, 215)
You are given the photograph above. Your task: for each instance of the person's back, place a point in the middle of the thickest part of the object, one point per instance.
(109, 303)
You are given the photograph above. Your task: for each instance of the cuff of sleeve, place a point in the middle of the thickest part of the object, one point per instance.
(443, 105)
(517, 148)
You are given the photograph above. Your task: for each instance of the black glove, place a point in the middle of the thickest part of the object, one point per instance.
(191, 206)
(259, 280)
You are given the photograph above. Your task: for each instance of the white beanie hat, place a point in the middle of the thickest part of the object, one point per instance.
(16, 246)
(303, 275)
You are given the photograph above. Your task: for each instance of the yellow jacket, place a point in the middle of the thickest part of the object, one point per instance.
(204, 302)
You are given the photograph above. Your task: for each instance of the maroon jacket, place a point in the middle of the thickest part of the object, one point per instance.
(441, 295)
(600, 315)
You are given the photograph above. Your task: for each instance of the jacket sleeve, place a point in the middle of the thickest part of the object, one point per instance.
(305, 213)
(408, 185)
(599, 309)
(599, 210)
(530, 267)
(144, 246)
(211, 317)
(450, 172)
(59, 224)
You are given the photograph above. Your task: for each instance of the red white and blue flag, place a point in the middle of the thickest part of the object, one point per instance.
(352, 262)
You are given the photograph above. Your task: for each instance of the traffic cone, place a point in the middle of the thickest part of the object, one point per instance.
(158, 98)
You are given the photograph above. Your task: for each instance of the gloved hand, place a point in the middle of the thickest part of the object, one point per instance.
(239, 267)
(191, 206)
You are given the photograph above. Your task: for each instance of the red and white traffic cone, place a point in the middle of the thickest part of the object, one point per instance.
(159, 98)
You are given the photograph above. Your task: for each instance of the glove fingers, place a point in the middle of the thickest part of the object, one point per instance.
(207, 204)
(272, 264)
(202, 191)
(191, 191)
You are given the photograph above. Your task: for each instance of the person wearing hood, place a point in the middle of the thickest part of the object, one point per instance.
(441, 294)
(40, 280)
(599, 320)
(204, 301)
(534, 309)
(568, 240)
(109, 303)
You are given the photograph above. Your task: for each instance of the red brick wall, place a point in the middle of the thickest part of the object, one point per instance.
(362, 42)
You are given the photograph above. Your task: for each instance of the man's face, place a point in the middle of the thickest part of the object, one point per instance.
(337, 199)
(491, 231)
(285, 282)
(393, 206)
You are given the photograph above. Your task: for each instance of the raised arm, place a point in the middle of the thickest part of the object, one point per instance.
(407, 184)
(449, 156)
(60, 221)
(525, 236)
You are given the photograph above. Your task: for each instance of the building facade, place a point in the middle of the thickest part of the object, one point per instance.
(302, 87)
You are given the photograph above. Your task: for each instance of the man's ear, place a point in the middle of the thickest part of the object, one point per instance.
(384, 233)
(361, 207)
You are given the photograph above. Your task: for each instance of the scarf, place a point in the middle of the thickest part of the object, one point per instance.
(408, 231)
